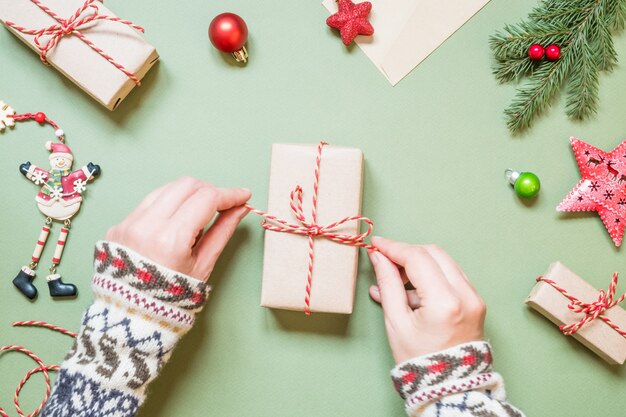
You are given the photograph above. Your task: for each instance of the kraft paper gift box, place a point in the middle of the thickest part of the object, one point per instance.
(596, 335)
(75, 59)
(286, 257)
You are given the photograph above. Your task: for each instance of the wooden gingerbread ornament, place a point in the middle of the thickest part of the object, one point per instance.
(59, 199)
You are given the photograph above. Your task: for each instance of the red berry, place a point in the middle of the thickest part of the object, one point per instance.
(40, 117)
(553, 52)
(535, 52)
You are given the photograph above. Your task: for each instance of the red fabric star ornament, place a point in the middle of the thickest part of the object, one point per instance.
(602, 187)
(351, 20)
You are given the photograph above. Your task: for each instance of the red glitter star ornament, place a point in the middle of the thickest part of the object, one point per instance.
(602, 187)
(351, 20)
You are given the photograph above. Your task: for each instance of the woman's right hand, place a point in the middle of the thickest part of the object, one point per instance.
(442, 311)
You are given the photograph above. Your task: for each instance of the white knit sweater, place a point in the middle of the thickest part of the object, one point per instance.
(141, 310)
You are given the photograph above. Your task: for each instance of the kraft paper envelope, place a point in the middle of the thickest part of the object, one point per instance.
(407, 31)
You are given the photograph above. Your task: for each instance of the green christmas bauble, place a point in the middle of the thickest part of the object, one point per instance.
(527, 185)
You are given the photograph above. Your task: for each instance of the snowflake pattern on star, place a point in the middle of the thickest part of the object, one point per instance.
(602, 188)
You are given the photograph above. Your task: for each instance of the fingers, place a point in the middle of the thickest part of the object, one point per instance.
(165, 203)
(412, 297)
(151, 198)
(198, 210)
(451, 269)
(168, 225)
(392, 294)
(397, 252)
(211, 245)
(231, 197)
(405, 278)
(146, 203)
(423, 271)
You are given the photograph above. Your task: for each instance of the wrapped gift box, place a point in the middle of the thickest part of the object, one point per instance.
(75, 59)
(596, 335)
(287, 255)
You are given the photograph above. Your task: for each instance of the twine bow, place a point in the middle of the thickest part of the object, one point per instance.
(46, 39)
(593, 310)
(311, 229)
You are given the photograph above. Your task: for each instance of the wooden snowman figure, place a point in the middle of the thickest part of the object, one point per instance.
(59, 199)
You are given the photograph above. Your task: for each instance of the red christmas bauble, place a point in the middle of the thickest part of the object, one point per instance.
(535, 52)
(553, 52)
(228, 32)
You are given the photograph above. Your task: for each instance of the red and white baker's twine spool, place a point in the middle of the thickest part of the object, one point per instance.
(593, 310)
(41, 368)
(71, 26)
(311, 228)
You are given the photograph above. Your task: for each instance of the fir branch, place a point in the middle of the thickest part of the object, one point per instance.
(583, 29)
(582, 97)
(511, 52)
(536, 96)
(513, 69)
(514, 41)
(617, 20)
(607, 57)
(562, 17)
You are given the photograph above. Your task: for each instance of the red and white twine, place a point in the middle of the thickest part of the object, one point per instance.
(593, 310)
(311, 228)
(32, 116)
(34, 323)
(70, 26)
(41, 368)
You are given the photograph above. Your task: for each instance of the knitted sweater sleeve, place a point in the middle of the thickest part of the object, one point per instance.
(457, 382)
(139, 313)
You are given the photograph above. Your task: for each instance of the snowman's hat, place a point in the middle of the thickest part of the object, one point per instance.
(59, 150)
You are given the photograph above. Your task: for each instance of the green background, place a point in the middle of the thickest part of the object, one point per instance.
(436, 147)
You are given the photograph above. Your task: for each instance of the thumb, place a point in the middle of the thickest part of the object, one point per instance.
(211, 245)
(392, 293)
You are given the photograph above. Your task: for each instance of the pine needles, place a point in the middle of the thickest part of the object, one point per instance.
(583, 29)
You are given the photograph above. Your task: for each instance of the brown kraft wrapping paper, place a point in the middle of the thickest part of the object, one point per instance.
(597, 335)
(286, 255)
(75, 59)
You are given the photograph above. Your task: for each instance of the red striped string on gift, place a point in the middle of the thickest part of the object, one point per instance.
(41, 368)
(311, 228)
(71, 26)
(593, 310)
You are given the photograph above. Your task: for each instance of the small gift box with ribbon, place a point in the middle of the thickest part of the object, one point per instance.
(590, 316)
(106, 56)
(312, 236)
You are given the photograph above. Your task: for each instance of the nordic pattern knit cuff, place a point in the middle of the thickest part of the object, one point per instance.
(139, 313)
(455, 382)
